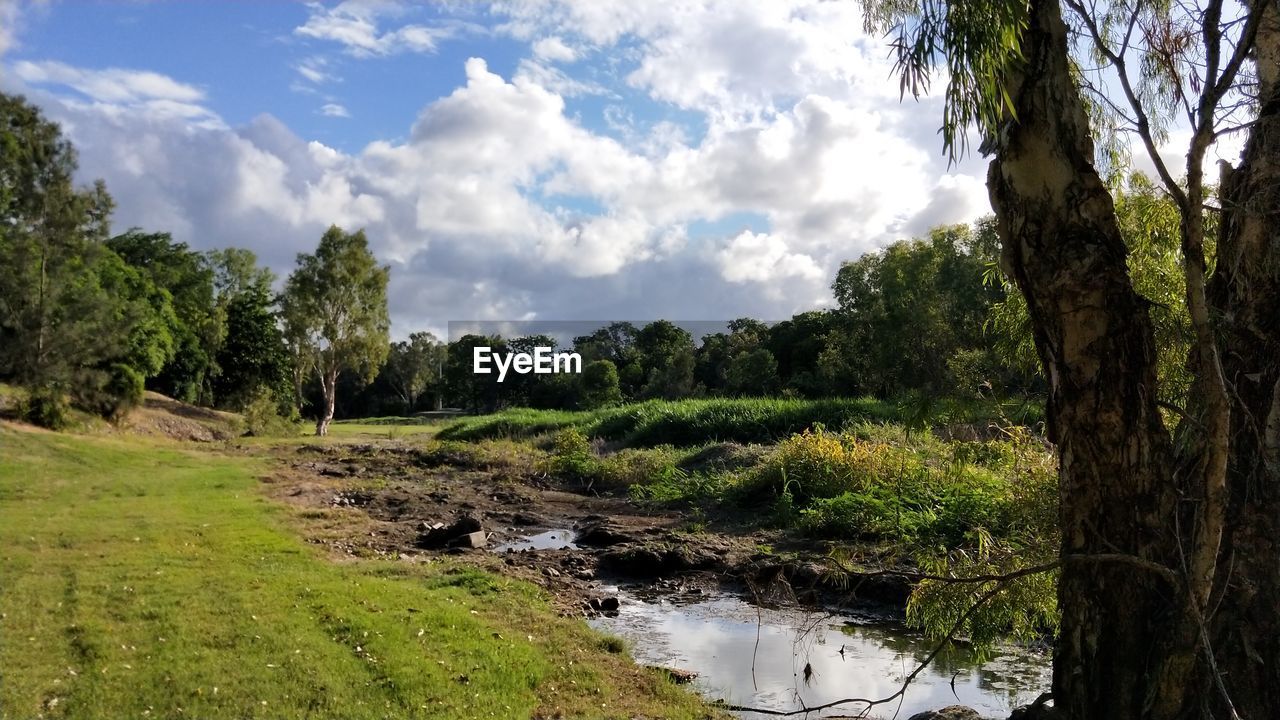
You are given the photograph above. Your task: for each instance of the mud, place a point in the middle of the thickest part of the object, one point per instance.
(389, 499)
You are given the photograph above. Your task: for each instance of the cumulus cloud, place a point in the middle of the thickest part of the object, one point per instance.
(763, 258)
(501, 202)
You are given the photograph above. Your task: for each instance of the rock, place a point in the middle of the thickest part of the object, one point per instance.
(551, 572)
(605, 605)
(603, 535)
(472, 540)
(437, 535)
(676, 675)
(953, 712)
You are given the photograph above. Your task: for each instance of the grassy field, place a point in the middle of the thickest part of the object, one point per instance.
(140, 579)
(697, 422)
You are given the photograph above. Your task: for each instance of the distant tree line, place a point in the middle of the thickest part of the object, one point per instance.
(92, 319)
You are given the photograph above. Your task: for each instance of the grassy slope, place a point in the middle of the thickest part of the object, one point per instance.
(141, 579)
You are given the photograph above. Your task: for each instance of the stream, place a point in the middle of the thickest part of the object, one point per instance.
(756, 657)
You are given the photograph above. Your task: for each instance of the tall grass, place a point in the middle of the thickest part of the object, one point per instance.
(687, 423)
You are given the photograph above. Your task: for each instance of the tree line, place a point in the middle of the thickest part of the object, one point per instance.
(92, 319)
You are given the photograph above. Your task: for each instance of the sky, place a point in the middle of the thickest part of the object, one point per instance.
(524, 160)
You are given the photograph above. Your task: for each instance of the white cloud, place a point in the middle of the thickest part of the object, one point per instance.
(113, 85)
(315, 69)
(503, 202)
(355, 25)
(553, 49)
(10, 16)
(764, 258)
(334, 110)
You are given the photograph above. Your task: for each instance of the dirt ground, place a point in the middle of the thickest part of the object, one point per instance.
(389, 499)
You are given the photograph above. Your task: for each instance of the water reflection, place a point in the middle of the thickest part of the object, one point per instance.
(549, 540)
(755, 657)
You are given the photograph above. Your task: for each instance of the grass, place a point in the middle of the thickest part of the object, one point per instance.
(144, 580)
(687, 423)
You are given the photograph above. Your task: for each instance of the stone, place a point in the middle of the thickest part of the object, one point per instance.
(952, 712)
(437, 535)
(472, 540)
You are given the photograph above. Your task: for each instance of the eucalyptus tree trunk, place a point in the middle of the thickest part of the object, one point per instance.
(1170, 585)
(1121, 649)
(1244, 297)
(329, 388)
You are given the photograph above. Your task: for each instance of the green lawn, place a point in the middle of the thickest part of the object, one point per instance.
(145, 580)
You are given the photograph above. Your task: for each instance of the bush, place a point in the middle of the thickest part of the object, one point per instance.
(45, 407)
(819, 464)
(571, 457)
(262, 416)
(125, 388)
(877, 513)
(109, 393)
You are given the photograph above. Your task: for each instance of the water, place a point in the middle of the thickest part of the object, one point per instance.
(761, 664)
(549, 540)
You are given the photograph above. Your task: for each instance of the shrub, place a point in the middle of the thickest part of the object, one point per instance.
(877, 513)
(571, 457)
(45, 407)
(819, 464)
(262, 415)
(109, 393)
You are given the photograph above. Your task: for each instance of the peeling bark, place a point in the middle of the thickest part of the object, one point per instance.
(1244, 299)
(1062, 246)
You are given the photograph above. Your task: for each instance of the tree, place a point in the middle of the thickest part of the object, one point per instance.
(1170, 562)
(58, 323)
(413, 366)
(600, 385)
(236, 271)
(254, 357)
(474, 391)
(188, 279)
(907, 310)
(335, 311)
(752, 372)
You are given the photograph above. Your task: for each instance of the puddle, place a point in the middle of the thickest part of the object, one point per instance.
(761, 664)
(549, 540)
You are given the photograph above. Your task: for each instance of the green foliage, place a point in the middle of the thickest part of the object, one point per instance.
(977, 42)
(262, 416)
(1149, 221)
(600, 385)
(752, 372)
(56, 317)
(911, 318)
(253, 357)
(196, 325)
(46, 408)
(1025, 608)
(109, 393)
(922, 493)
(571, 457)
(689, 423)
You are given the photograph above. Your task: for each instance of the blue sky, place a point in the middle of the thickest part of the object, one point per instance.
(530, 159)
